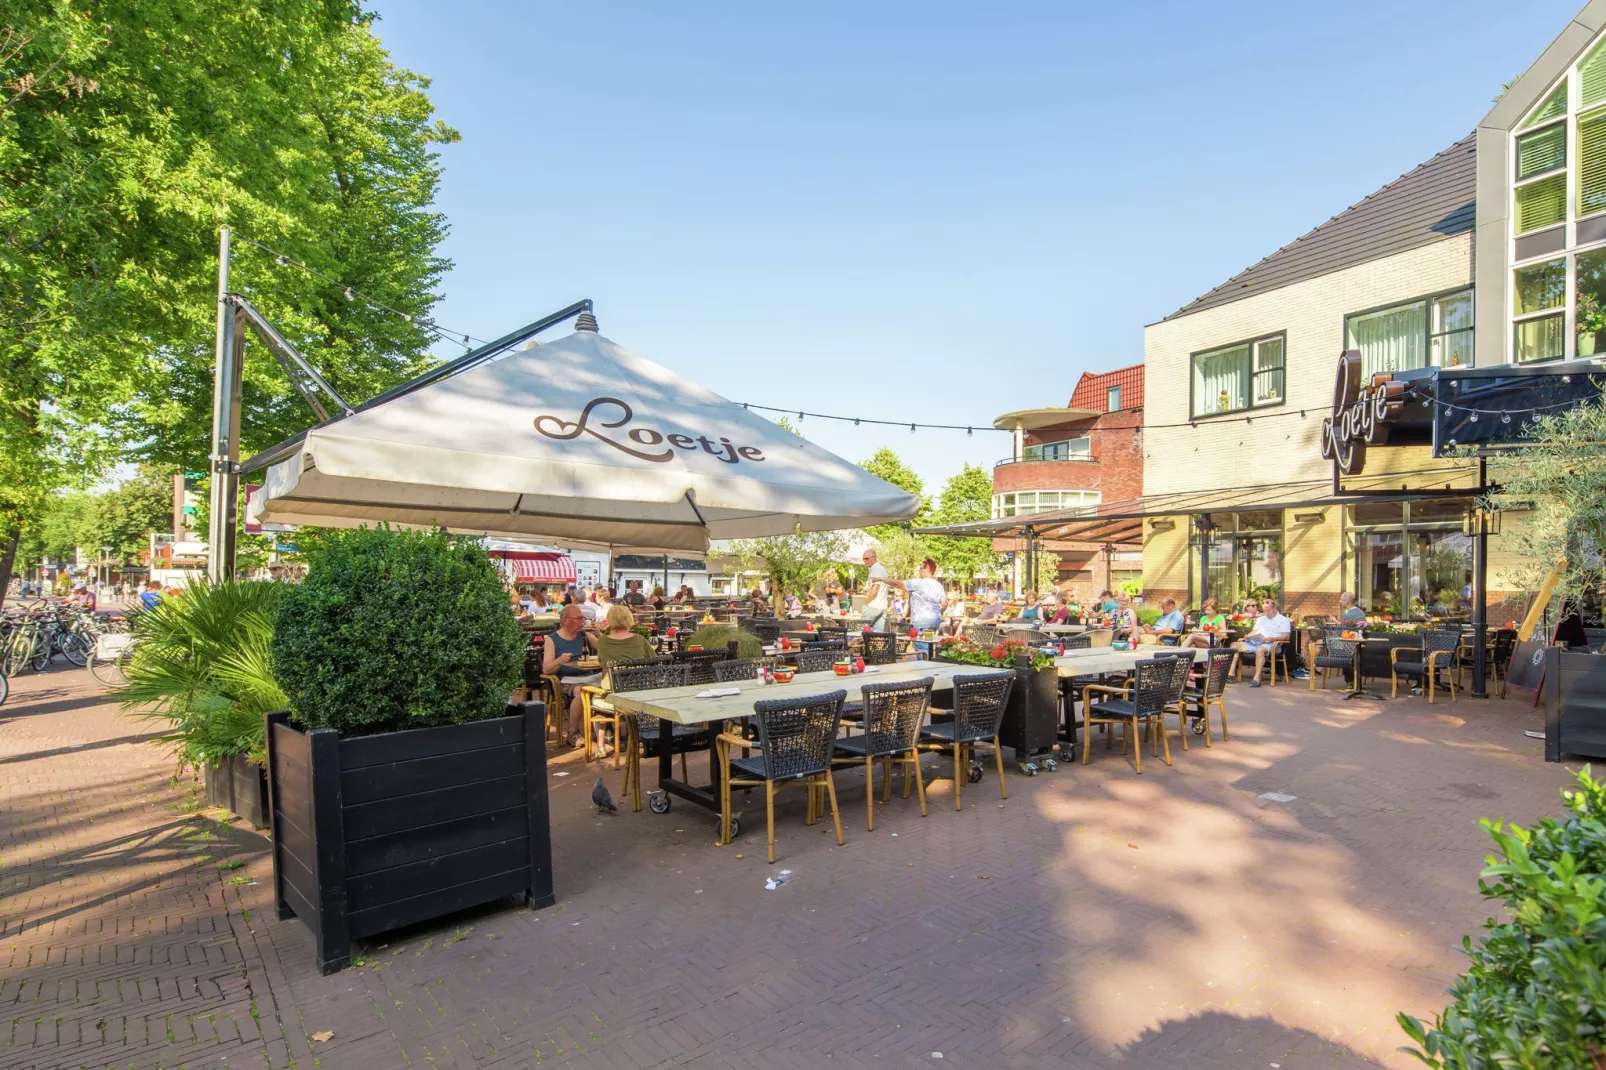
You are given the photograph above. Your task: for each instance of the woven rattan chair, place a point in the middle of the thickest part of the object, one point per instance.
(979, 702)
(1140, 703)
(815, 660)
(985, 635)
(894, 714)
(700, 664)
(740, 668)
(1209, 690)
(1078, 642)
(642, 733)
(1505, 645)
(1434, 659)
(880, 648)
(796, 742)
(596, 712)
(1337, 653)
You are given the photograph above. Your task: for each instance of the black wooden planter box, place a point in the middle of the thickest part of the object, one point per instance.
(1575, 704)
(240, 787)
(1375, 654)
(1031, 721)
(377, 832)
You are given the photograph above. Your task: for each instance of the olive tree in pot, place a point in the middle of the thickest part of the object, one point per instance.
(202, 664)
(404, 784)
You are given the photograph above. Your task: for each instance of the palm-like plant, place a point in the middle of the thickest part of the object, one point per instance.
(202, 663)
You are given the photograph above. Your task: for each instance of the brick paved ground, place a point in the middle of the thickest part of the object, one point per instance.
(1095, 919)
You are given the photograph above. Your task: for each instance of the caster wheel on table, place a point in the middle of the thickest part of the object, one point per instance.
(658, 802)
(1198, 727)
(1028, 768)
(1050, 764)
(974, 776)
(736, 826)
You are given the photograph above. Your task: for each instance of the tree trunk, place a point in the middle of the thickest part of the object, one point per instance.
(8, 557)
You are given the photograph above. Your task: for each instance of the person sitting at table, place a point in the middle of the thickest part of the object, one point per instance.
(1210, 616)
(1124, 619)
(1271, 628)
(925, 596)
(1061, 615)
(1350, 616)
(515, 602)
(658, 601)
(1031, 611)
(761, 608)
(562, 649)
(794, 605)
(619, 640)
(1171, 620)
(954, 614)
(993, 610)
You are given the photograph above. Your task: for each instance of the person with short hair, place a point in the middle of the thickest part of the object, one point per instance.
(563, 648)
(1171, 620)
(152, 596)
(1032, 612)
(634, 598)
(875, 591)
(1210, 616)
(926, 596)
(1271, 628)
(993, 610)
(1124, 619)
(619, 640)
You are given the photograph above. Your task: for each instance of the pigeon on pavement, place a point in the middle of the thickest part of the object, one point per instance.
(600, 796)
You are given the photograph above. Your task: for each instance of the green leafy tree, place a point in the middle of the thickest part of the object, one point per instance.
(900, 552)
(967, 496)
(131, 511)
(887, 465)
(128, 133)
(1561, 479)
(793, 562)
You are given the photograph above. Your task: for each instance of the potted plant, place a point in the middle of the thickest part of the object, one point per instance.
(404, 784)
(201, 663)
(721, 636)
(1031, 721)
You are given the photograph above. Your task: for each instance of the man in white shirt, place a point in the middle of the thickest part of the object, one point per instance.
(874, 589)
(1271, 627)
(596, 607)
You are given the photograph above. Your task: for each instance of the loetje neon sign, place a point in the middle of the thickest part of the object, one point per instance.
(564, 430)
(1363, 409)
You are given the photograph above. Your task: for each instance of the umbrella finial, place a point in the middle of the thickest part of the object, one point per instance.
(585, 321)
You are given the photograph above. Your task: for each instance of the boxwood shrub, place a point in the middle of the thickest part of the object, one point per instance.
(394, 630)
(1535, 993)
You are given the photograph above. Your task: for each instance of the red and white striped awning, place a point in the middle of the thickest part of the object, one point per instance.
(537, 567)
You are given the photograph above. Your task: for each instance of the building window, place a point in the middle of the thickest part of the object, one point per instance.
(1246, 375)
(1027, 502)
(1074, 449)
(1433, 331)
(1244, 558)
(1112, 400)
(1539, 308)
(1411, 559)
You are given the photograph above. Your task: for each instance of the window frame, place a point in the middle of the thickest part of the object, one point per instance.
(1426, 301)
(1252, 343)
(1090, 499)
(1112, 398)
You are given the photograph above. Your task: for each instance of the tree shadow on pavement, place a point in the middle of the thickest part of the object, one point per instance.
(1216, 1040)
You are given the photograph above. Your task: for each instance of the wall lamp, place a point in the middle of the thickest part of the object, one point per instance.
(1164, 523)
(1310, 518)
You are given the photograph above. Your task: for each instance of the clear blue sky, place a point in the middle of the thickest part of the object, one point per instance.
(930, 211)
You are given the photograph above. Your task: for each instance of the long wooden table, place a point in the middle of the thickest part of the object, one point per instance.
(1098, 660)
(681, 705)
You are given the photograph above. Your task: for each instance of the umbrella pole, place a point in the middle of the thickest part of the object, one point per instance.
(225, 427)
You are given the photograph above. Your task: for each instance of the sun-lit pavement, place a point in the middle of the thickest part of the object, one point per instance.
(1095, 918)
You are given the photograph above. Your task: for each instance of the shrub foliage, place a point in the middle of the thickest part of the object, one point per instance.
(1535, 995)
(395, 630)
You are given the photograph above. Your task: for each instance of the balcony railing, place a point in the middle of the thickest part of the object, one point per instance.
(1028, 455)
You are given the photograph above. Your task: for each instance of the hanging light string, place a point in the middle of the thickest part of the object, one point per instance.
(351, 293)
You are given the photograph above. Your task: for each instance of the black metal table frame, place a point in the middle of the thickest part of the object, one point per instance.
(1357, 687)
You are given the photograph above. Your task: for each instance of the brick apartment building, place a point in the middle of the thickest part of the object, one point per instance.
(1085, 454)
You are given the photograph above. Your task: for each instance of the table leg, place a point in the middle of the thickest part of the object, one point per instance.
(1357, 688)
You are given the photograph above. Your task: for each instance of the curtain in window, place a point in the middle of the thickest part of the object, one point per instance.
(1221, 381)
(1392, 340)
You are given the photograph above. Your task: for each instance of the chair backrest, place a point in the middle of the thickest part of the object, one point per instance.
(893, 714)
(1435, 640)
(797, 736)
(979, 701)
(985, 635)
(817, 660)
(826, 644)
(646, 675)
(1151, 686)
(700, 664)
(1220, 665)
(880, 648)
(766, 630)
(1078, 642)
(1181, 668)
(1030, 635)
(1505, 641)
(739, 668)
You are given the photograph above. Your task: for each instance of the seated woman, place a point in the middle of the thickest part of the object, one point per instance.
(1125, 619)
(658, 601)
(620, 641)
(1032, 611)
(1210, 616)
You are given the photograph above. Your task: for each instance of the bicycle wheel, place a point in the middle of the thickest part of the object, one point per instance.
(109, 671)
(75, 647)
(5, 688)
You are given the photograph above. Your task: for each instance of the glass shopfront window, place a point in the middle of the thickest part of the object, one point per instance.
(1244, 554)
(1410, 559)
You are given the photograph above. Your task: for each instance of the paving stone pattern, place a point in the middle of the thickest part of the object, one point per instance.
(1094, 919)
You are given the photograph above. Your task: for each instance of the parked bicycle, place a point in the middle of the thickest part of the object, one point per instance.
(113, 649)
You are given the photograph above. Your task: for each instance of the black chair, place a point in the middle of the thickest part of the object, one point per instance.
(894, 714)
(838, 646)
(979, 702)
(985, 635)
(1031, 636)
(700, 664)
(1505, 645)
(1079, 642)
(596, 712)
(1435, 656)
(880, 648)
(642, 734)
(1337, 653)
(815, 660)
(740, 668)
(1140, 703)
(796, 742)
(1210, 690)
(768, 631)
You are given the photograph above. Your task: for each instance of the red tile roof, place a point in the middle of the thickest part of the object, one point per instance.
(1092, 389)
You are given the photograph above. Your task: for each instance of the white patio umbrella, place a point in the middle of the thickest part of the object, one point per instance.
(577, 442)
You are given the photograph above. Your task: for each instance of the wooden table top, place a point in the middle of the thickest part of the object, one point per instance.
(1097, 660)
(682, 706)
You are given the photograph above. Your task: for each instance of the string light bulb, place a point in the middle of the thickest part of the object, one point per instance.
(282, 260)
(1505, 418)
(349, 295)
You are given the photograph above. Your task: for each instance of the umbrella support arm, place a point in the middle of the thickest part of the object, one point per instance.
(289, 359)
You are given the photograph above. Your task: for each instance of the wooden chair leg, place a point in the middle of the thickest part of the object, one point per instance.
(1165, 741)
(1137, 747)
(920, 781)
(1087, 738)
(869, 793)
(1182, 725)
(998, 756)
(1204, 710)
(886, 778)
(725, 802)
(960, 770)
(769, 814)
(836, 818)
(1430, 683)
(1221, 705)
(1394, 684)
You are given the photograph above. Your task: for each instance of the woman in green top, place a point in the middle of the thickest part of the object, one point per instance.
(1210, 616)
(621, 641)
